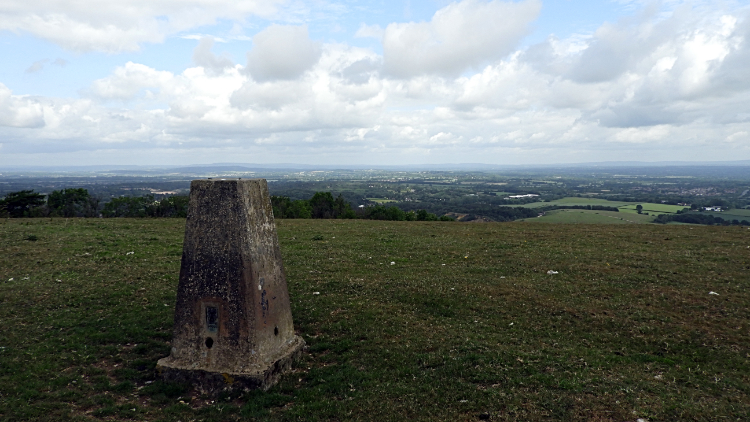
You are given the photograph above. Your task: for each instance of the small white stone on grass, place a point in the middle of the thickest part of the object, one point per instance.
(130, 253)
(316, 293)
(393, 263)
(10, 279)
(552, 272)
(713, 293)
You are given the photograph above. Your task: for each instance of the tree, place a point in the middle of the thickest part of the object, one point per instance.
(322, 204)
(128, 206)
(299, 209)
(381, 212)
(283, 207)
(280, 204)
(423, 215)
(342, 208)
(74, 202)
(21, 203)
(173, 206)
(639, 208)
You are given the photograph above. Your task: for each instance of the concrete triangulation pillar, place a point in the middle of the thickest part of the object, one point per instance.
(232, 325)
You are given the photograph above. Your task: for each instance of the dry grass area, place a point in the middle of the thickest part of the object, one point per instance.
(413, 320)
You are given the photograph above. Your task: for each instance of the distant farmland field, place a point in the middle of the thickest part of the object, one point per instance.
(590, 217)
(577, 201)
(628, 212)
(404, 321)
(652, 208)
(733, 214)
(381, 200)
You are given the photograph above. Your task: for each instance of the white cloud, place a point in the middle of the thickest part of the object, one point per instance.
(460, 36)
(204, 57)
(128, 81)
(270, 95)
(20, 112)
(37, 66)
(282, 52)
(114, 26)
(679, 92)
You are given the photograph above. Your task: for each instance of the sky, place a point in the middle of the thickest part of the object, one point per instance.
(173, 82)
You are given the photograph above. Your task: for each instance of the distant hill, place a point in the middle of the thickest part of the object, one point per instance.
(662, 166)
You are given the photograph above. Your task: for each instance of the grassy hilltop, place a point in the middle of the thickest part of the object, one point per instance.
(405, 320)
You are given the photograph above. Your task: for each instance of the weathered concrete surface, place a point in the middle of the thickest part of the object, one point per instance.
(233, 325)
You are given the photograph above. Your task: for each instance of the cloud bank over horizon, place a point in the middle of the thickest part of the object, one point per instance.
(660, 83)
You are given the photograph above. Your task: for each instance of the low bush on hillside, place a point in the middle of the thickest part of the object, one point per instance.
(697, 218)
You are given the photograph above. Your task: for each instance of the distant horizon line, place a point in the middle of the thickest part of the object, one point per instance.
(445, 166)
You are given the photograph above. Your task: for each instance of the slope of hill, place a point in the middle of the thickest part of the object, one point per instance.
(412, 320)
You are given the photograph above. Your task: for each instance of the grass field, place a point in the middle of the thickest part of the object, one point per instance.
(654, 209)
(571, 200)
(590, 217)
(733, 214)
(624, 206)
(466, 324)
(381, 200)
(628, 212)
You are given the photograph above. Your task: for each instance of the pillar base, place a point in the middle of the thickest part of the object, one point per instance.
(212, 383)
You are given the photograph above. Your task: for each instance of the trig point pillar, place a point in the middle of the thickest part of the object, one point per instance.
(232, 325)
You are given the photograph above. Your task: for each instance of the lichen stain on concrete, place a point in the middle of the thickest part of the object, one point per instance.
(223, 324)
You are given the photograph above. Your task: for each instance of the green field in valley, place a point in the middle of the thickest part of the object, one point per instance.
(590, 217)
(413, 321)
(576, 201)
(733, 214)
(627, 211)
(652, 209)
(381, 200)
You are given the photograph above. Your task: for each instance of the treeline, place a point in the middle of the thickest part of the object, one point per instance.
(59, 203)
(324, 205)
(321, 205)
(79, 203)
(705, 219)
(474, 210)
(146, 206)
